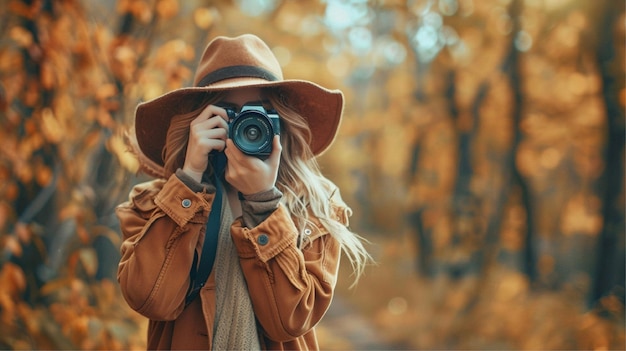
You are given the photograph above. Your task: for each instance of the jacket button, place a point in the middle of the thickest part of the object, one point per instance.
(263, 239)
(307, 231)
(186, 203)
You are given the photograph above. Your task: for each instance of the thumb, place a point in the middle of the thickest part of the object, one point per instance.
(277, 149)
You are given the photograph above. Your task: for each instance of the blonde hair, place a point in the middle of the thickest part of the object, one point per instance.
(305, 190)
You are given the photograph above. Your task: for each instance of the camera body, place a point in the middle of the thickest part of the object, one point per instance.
(252, 130)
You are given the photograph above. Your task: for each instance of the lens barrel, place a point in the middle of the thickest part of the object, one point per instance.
(253, 129)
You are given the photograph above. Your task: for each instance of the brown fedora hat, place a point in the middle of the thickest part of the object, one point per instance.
(230, 63)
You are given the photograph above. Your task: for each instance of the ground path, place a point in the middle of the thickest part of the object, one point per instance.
(343, 328)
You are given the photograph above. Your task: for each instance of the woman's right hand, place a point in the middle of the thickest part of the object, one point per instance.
(207, 132)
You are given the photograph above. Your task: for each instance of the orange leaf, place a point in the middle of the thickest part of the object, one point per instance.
(51, 127)
(106, 91)
(167, 8)
(205, 17)
(13, 279)
(12, 245)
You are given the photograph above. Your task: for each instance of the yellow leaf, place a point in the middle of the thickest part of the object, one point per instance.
(21, 36)
(89, 260)
(581, 216)
(106, 91)
(204, 17)
(51, 128)
(167, 8)
(141, 10)
(54, 286)
(127, 159)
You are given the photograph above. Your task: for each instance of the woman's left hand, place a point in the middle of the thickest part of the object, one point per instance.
(249, 174)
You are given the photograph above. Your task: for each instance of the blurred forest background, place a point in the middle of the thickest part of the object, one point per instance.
(482, 150)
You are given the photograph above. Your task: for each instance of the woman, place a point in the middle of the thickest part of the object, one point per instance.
(270, 246)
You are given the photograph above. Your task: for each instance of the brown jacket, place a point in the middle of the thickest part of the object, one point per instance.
(290, 288)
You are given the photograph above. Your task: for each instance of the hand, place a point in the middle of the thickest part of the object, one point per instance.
(249, 174)
(207, 132)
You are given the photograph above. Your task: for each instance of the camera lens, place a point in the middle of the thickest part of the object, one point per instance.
(251, 132)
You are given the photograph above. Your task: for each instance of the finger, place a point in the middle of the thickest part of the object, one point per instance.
(203, 131)
(212, 110)
(231, 151)
(215, 133)
(213, 122)
(212, 144)
(198, 134)
(211, 117)
(218, 111)
(205, 114)
(277, 149)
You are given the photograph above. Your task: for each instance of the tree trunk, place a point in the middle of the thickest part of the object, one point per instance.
(610, 277)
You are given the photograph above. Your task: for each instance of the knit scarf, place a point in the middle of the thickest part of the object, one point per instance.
(235, 324)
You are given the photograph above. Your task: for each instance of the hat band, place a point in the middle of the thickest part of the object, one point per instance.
(236, 72)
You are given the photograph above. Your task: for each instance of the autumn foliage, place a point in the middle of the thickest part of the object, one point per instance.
(482, 150)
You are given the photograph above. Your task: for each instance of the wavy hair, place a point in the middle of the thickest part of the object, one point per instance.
(306, 191)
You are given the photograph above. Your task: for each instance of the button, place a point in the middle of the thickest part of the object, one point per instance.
(186, 203)
(263, 239)
(307, 231)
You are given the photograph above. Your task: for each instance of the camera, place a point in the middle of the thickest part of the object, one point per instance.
(252, 130)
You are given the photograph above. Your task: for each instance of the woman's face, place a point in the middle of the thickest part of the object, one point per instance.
(239, 97)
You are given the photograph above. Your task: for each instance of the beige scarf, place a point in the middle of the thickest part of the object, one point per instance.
(235, 324)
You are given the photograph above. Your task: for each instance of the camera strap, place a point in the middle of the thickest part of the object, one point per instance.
(199, 273)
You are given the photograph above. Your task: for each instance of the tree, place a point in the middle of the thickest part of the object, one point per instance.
(491, 131)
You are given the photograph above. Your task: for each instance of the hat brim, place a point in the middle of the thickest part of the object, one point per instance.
(322, 108)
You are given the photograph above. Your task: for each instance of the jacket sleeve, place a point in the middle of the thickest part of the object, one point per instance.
(291, 288)
(161, 225)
